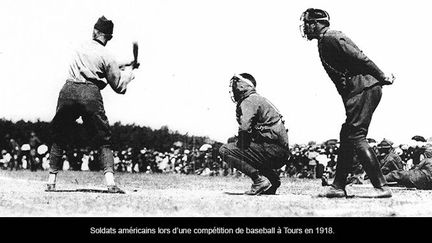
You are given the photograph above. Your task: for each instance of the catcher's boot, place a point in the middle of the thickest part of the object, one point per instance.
(50, 188)
(274, 180)
(371, 166)
(260, 185)
(272, 190)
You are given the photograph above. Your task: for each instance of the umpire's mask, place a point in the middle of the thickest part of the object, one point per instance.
(309, 18)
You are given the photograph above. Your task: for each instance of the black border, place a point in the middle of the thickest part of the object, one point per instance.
(333, 229)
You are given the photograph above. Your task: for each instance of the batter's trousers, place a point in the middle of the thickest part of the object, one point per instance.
(85, 100)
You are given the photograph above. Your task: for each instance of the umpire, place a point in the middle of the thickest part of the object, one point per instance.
(91, 69)
(262, 142)
(359, 82)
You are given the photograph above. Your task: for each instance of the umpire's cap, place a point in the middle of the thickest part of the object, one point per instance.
(104, 25)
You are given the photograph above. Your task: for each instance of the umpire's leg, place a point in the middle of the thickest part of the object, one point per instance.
(359, 115)
(344, 160)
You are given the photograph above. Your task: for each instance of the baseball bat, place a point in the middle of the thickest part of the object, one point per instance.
(135, 55)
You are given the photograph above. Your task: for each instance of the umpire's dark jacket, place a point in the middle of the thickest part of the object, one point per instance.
(347, 66)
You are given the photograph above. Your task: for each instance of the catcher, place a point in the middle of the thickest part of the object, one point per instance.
(262, 143)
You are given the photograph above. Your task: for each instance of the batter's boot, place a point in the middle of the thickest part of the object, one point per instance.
(50, 188)
(115, 189)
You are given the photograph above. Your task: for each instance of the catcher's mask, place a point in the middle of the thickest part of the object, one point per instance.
(234, 92)
(309, 18)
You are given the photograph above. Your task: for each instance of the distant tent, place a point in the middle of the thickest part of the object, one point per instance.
(331, 142)
(25, 147)
(205, 147)
(418, 138)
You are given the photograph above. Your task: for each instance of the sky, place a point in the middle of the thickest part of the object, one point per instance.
(189, 50)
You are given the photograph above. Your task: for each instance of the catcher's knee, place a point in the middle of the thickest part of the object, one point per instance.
(228, 149)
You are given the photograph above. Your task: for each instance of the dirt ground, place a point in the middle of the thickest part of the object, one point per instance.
(172, 195)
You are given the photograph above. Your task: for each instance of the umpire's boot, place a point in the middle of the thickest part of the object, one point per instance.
(344, 162)
(337, 188)
(371, 166)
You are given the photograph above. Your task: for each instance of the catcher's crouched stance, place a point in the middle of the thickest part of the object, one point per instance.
(91, 69)
(262, 144)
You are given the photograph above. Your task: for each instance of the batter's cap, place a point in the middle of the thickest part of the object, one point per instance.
(104, 25)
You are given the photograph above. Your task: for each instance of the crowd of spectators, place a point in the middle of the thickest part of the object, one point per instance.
(306, 161)
(319, 160)
(34, 156)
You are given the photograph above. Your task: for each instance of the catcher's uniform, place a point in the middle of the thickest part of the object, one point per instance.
(266, 146)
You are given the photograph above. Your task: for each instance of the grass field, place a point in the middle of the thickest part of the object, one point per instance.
(173, 195)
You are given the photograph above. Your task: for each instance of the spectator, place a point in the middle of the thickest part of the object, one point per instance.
(419, 177)
(388, 158)
(5, 159)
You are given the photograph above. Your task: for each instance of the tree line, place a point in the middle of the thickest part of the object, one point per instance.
(123, 135)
